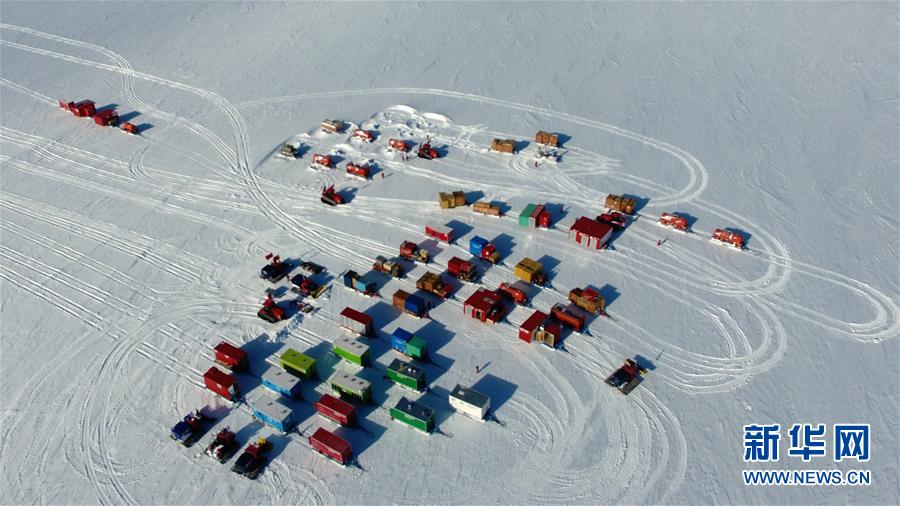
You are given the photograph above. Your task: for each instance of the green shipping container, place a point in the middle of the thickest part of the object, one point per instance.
(407, 375)
(413, 414)
(352, 350)
(525, 214)
(298, 364)
(415, 348)
(352, 386)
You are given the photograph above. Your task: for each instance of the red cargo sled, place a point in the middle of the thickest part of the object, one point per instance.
(363, 135)
(398, 144)
(83, 109)
(331, 445)
(439, 232)
(362, 171)
(321, 161)
(729, 238)
(674, 221)
(567, 317)
(106, 117)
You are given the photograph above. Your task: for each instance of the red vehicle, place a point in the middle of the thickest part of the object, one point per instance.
(462, 269)
(83, 109)
(323, 161)
(411, 251)
(439, 232)
(626, 377)
(221, 383)
(106, 117)
(427, 152)
(363, 135)
(130, 128)
(358, 170)
(231, 356)
(336, 410)
(332, 446)
(331, 197)
(568, 317)
(270, 312)
(674, 221)
(616, 219)
(729, 238)
(398, 145)
(514, 293)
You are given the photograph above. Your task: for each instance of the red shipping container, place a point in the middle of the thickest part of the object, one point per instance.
(106, 117)
(439, 232)
(231, 356)
(331, 445)
(221, 383)
(528, 328)
(568, 317)
(544, 219)
(337, 410)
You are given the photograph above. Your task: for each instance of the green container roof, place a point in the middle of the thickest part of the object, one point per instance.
(297, 360)
(417, 343)
(401, 368)
(526, 213)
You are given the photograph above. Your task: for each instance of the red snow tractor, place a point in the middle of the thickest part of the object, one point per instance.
(427, 152)
(615, 219)
(728, 237)
(321, 161)
(252, 461)
(331, 197)
(270, 311)
(398, 144)
(674, 221)
(462, 270)
(514, 293)
(626, 377)
(223, 447)
(363, 135)
(302, 284)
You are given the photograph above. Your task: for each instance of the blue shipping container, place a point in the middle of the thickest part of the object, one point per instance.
(348, 278)
(282, 382)
(399, 339)
(275, 414)
(415, 305)
(476, 244)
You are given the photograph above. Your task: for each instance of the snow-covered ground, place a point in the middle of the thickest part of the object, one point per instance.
(124, 259)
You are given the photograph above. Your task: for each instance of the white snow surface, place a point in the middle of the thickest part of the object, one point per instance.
(124, 260)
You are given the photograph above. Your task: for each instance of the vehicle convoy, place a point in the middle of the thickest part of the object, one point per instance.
(515, 292)
(390, 267)
(426, 151)
(270, 311)
(674, 221)
(331, 197)
(728, 238)
(191, 428)
(411, 251)
(588, 299)
(306, 286)
(627, 377)
(253, 460)
(223, 446)
(433, 284)
(462, 270)
(620, 203)
(275, 269)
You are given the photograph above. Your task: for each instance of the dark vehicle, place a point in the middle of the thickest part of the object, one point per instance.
(311, 267)
(302, 284)
(627, 377)
(190, 429)
(275, 269)
(253, 460)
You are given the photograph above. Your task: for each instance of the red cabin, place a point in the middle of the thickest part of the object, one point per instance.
(484, 305)
(674, 221)
(336, 410)
(221, 383)
(590, 233)
(331, 445)
(358, 170)
(728, 237)
(363, 135)
(398, 145)
(231, 356)
(323, 161)
(439, 232)
(106, 117)
(530, 326)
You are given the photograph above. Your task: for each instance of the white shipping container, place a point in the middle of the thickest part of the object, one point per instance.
(470, 402)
